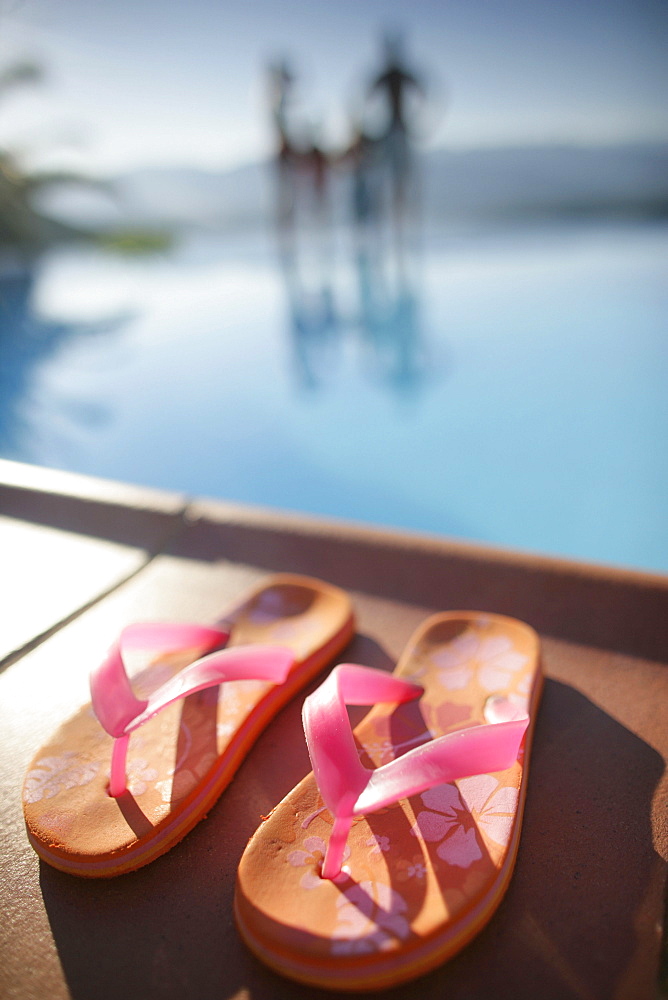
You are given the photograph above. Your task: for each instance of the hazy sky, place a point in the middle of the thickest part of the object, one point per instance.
(135, 82)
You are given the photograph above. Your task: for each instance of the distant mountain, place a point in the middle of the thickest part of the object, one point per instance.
(476, 184)
(549, 180)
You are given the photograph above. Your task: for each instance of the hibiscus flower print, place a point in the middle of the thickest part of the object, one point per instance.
(448, 822)
(379, 751)
(312, 856)
(55, 774)
(492, 659)
(181, 780)
(415, 868)
(457, 815)
(370, 917)
(139, 774)
(378, 844)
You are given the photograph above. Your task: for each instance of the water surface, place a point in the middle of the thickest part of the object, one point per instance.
(507, 387)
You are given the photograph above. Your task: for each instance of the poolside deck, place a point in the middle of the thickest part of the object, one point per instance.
(584, 912)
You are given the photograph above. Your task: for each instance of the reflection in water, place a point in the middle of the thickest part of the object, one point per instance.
(27, 343)
(390, 328)
(384, 323)
(315, 326)
(374, 219)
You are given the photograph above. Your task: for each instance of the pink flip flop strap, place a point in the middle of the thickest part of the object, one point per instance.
(349, 789)
(120, 712)
(114, 701)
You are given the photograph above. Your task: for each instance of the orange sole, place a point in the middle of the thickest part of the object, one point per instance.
(294, 944)
(67, 829)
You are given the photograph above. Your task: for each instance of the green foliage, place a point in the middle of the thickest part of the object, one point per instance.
(135, 242)
(23, 227)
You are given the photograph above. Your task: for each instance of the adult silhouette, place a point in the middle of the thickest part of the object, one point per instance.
(394, 84)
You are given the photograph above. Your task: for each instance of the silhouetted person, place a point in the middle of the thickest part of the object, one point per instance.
(281, 80)
(394, 83)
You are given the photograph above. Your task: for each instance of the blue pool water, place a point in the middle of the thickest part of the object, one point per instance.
(510, 388)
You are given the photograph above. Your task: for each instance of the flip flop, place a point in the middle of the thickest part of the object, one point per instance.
(131, 773)
(397, 849)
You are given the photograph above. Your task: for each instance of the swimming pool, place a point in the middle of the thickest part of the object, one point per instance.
(509, 387)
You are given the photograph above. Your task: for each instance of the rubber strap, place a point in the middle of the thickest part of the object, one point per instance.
(114, 702)
(120, 712)
(348, 789)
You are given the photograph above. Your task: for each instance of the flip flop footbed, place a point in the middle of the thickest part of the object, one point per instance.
(422, 876)
(180, 760)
